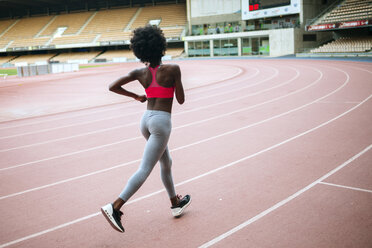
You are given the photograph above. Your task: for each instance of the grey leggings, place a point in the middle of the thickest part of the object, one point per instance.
(156, 127)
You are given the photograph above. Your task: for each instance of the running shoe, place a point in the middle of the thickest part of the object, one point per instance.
(183, 203)
(113, 216)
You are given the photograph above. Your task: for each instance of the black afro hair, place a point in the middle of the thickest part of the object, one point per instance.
(148, 44)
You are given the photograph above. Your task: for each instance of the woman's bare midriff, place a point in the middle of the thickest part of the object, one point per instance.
(163, 104)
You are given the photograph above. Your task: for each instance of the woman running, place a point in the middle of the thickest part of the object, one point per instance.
(161, 83)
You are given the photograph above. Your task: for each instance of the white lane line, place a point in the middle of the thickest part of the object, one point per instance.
(70, 154)
(69, 179)
(69, 125)
(281, 203)
(71, 115)
(178, 148)
(69, 137)
(140, 112)
(346, 187)
(339, 102)
(209, 87)
(237, 82)
(206, 174)
(48, 230)
(358, 68)
(115, 108)
(189, 124)
(128, 114)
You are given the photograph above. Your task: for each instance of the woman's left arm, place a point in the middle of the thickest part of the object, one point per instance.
(180, 94)
(116, 86)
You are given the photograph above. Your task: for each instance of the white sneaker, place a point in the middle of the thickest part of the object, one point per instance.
(113, 217)
(183, 203)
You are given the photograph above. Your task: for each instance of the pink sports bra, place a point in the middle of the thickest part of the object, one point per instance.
(157, 91)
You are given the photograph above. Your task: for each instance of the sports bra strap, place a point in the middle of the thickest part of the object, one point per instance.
(157, 91)
(153, 71)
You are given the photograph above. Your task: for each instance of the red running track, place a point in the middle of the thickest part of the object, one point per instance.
(275, 153)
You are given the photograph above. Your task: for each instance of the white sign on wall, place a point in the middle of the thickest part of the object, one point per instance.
(255, 9)
(200, 8)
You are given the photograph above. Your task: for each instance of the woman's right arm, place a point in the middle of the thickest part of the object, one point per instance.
(180, 94)
(116, 86)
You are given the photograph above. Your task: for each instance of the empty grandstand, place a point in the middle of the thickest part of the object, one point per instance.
(349, 23)
(90, 27)
(6, 59)
(33, 58)
(72, 35)
(115, 56)
(76, 57)
(23, 33)
(348, 10)
(346, 45)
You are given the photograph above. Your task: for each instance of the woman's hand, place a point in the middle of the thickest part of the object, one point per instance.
(142, 98)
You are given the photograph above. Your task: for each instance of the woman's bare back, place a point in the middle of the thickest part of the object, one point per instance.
(166, 76)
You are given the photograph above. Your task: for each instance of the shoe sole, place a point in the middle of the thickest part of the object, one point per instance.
(108, 217)
(177, 214)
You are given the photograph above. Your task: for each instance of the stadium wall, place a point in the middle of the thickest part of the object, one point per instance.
(209, 11)
(281, 41)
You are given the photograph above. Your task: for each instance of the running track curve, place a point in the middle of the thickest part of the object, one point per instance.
(275, 153)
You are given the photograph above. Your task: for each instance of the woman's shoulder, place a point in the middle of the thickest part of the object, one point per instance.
(138, 72)
(171, 67)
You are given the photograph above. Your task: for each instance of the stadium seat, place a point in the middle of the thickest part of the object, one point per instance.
(346, 45)
(349, 10)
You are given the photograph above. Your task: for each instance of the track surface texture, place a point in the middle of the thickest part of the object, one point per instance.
(274, 153)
